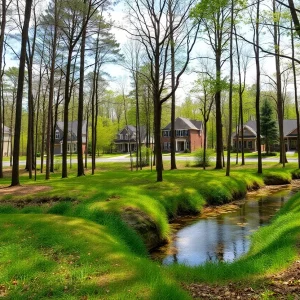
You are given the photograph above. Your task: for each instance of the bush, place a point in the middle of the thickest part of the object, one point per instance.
(145, 155)
(187, 150)
(269, 154)
(198, 157)
(38, 154)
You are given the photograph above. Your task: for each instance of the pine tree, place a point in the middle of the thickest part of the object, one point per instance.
(268, 125)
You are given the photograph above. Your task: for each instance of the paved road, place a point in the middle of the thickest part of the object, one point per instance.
(126, 158)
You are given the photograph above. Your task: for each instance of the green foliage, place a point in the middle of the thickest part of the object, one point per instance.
(106, 132)
(145, 155)
(268, 125)
(199, 157)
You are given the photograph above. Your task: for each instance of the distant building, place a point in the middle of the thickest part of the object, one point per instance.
(250, 136)
(72, 137)
(189, 135)
(127, 138)
(7, 136)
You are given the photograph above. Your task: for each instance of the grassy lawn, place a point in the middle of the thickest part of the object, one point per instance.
(78, 246)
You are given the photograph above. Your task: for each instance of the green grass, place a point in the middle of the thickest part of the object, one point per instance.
(80, 246)
(59, 257)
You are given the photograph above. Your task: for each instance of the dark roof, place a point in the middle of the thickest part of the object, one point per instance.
(184, 123)
(288, 126)
(132, 130)
(251, 124)
(72, 127)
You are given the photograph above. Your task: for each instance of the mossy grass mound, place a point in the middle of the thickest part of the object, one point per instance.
(82, 245)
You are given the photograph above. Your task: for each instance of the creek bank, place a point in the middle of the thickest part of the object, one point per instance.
(149, 231)
(283, 285)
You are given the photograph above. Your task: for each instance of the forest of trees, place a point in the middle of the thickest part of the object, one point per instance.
(53, 58)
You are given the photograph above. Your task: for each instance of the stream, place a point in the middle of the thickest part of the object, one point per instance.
(222, 233)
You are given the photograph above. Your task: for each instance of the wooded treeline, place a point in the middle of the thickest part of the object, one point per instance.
(62, 48)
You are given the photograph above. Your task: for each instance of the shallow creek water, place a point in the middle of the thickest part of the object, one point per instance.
(222, 233)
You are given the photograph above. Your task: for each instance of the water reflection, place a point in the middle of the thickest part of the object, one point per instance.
(224, 237)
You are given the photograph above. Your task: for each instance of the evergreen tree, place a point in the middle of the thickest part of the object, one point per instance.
(268, 125)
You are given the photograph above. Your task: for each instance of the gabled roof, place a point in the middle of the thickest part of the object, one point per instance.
(288, 126)
(133, 133)
(184, 123)
(72, 128)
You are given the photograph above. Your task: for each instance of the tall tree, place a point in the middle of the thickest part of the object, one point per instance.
(255, 19)
(150, 26)
(2, 32)
(230, 90)
(215, 16)
(15, 170)
(53, 44)
(268, 126)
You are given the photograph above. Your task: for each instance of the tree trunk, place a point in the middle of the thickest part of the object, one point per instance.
(219, 126)
(15, 170)
(257, 98)
(230, 93)
(173, 104)
(49, 151)
(276, 37)
(296, 96)
(66, 115)
(80, 167)
(3, 24)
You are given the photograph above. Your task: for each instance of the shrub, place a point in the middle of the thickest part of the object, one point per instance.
(145, 155)
(198, 157)
(187, 150)
(57, 163)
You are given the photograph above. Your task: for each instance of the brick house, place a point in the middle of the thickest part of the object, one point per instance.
(189, 135)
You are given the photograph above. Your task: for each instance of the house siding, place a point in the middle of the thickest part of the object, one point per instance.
(197, 140)
(188, 135)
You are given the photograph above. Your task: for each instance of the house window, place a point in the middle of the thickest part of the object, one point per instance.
(165, 145)
(245, 144)
(169, 145)
(166, 133)
(57, 134)
(250, 145)
(121, 136)
(126, 136)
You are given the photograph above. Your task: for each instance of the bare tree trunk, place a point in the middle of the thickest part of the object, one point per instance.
(241, 90)
(257, 99)
(173, 104)
(276, 36)
(230, 92)
(43, 132)
(15, 170)
(296, 96)
(49, 147)
(3, 25)
(219, 126)
(80, 168)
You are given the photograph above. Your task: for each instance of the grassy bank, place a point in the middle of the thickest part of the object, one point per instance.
(273, 247)
(78, 245)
